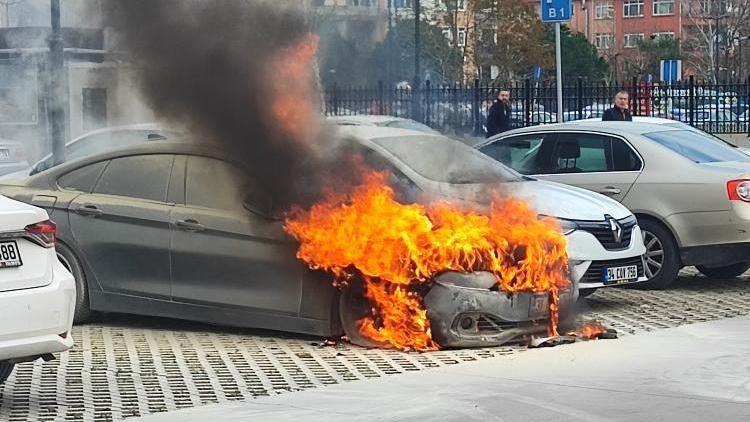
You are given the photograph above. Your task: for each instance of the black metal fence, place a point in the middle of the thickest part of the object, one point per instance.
(462, 109)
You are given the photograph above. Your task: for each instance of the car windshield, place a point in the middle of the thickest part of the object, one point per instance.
(696, 146)
(411, 125)
(444, 160)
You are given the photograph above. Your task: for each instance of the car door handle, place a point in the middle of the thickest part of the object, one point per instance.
(610, 190)
(89, 211)
(189, 225)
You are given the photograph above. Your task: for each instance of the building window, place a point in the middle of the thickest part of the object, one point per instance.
(453, 4)
(604, 10)
(404, 4)
(603, 41)
(448, 34)
(663, 7)
(663, 35)
(632, 8)
(94, 108)
(632, 40)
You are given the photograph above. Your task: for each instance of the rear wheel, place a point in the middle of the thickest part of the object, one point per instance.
(69, 260)
(6, 368)
(662, 258)
(727, 271)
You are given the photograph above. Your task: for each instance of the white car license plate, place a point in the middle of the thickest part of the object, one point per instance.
(620, 275)
(9, 255)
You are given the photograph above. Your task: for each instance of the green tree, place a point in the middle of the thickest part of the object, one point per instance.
(656, 50)
(579, 57)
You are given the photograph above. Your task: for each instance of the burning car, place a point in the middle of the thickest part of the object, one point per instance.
(169, 229)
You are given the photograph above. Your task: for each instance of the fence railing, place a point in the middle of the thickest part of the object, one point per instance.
(462, 109)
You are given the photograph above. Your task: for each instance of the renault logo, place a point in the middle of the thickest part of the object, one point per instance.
(615, 227)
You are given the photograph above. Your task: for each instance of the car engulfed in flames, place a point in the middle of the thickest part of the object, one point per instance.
(423, 276)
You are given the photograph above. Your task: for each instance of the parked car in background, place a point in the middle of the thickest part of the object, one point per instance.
(172, 229)
(674, 124)
(37, 293)
(381, 121)
(12, 157)
(690, 192)
(107, 139)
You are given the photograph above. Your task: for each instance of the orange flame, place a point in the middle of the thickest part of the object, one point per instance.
(590, 330)
(293, 89)
(396, 248)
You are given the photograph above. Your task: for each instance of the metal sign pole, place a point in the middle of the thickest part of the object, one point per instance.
(558, 66)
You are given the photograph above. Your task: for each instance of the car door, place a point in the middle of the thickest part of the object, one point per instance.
(526, 154)
(600, 163)
(227, 248)
(122, 227)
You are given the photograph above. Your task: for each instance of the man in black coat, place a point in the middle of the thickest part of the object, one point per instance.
(498, 120)
(620, 111)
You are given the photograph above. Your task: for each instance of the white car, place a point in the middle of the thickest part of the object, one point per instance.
(605, 244)
(37, 292)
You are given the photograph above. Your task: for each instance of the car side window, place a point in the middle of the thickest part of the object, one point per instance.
(139, 176)
(82, 179)
(623, 157)
(582, 153)
(216, 184)
(521, 153)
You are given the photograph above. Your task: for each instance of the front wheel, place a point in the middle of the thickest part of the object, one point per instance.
(727, 271)
(6, 368)
(662, 258)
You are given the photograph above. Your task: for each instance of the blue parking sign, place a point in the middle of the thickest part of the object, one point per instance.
(556, 10)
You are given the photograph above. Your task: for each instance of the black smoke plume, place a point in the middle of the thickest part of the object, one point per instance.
(204, 64)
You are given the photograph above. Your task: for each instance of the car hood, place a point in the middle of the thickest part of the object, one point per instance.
(745, 150)
(546, 198)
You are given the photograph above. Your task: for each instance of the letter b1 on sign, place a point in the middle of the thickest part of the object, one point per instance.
(556, 10)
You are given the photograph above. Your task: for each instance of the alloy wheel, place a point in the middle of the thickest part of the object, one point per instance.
(654, 258)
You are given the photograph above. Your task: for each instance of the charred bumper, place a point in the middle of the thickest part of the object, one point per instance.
(465, 311)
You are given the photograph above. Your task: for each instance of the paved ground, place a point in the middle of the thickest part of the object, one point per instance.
(633, 379)
(125, 366)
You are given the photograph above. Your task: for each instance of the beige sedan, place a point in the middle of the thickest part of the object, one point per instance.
(690, 192)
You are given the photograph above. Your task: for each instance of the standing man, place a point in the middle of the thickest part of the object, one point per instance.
(498, 121)
(620, 111)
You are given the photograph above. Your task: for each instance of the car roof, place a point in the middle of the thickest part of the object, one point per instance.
(615, 128)
(156, 127)
(373, 133)
(364, 119)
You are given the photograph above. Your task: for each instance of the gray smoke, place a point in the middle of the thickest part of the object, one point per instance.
(204, 64)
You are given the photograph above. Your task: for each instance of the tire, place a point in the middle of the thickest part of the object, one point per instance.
(6, 368)
(662, 259)
(69, 260)
(727, 271)
(585, 292)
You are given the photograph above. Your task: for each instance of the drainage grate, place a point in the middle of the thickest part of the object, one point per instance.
(129, 366)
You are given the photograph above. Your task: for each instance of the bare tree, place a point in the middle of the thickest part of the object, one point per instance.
(6, 10)
(713, 28)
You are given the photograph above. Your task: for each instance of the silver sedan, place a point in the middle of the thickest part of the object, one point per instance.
(690, 192)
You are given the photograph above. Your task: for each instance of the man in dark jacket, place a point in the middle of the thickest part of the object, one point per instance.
(498, 120)
(620, 111)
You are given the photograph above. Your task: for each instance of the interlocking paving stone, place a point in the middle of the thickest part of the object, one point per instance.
(124, 366)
